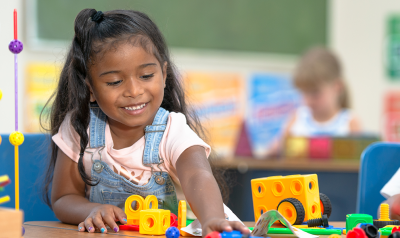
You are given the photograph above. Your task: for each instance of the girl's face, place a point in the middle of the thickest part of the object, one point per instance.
(128, 84)
(323, 98)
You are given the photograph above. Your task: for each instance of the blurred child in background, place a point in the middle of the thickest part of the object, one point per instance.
(326, 112)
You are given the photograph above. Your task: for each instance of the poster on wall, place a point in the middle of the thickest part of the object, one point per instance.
(217, 99)
(393, 47)
(271, 99)
(41, 81)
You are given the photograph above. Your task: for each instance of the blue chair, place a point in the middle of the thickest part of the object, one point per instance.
(33, 157)
(379, 162)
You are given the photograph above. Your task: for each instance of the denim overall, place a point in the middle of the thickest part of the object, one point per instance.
(113, 188)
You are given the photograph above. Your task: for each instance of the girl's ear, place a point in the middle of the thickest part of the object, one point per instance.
(92, 98)
(164, 71)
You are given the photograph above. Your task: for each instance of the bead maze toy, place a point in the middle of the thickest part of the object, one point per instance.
(296, 197)
(4, 180)
(11, 220)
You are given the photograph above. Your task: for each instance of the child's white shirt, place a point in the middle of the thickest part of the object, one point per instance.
(392, 187)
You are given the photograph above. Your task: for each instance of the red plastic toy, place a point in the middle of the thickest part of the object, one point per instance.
(320, 148)
(356, 233)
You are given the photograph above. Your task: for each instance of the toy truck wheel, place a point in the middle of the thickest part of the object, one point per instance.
(326, 206)
(292, 210)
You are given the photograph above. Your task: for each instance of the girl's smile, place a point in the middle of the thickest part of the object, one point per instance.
(135, 109)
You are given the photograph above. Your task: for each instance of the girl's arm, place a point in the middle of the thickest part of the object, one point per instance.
(202, 192)
(69, 203)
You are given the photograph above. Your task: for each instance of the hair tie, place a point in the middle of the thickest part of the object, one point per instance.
(97, 17)
(81, 155)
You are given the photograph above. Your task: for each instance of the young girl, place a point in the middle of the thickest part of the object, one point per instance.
(319, 78)
(121, 126)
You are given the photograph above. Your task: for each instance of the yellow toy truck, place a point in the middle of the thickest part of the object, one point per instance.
(296, 197)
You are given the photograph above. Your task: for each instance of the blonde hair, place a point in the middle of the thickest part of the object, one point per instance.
(319, 65)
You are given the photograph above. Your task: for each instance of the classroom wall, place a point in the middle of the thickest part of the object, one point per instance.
(356, 33)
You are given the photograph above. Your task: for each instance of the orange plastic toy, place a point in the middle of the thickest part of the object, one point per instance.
(182, 217)
(296, 197)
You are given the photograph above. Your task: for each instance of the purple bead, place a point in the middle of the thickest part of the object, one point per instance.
(172, 232)
(23, 231)
(15, 46)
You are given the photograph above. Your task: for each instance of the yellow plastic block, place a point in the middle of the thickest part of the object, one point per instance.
(182, 217)
(296, 147)
(133, 213)
(269, 192)
(154, 221)
(151, 202)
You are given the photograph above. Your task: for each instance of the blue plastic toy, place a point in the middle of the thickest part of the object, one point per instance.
(172, 232)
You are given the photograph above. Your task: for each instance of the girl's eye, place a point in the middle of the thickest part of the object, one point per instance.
(148, 76)
(114, 83)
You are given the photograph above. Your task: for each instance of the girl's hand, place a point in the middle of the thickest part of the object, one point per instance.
(101, 216)
(394, 203)
(220, 225)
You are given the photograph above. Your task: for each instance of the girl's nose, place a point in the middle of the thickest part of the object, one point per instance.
(133, 88)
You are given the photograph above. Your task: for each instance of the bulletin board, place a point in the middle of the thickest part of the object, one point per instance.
(267, 26)
(41, 82)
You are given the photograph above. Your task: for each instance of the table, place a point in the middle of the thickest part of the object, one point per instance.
(40, 229)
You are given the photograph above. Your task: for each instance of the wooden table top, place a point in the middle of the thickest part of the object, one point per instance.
(48, 229)
(245, 163)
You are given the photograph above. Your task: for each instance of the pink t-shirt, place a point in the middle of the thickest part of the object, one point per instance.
(128, 161)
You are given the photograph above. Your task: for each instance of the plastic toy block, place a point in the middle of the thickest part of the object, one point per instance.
(313, 231)
(384, 219)
(395, 229)
(133, 213)
(129, 227)
(386, 231)
(172, 232)
(174, 220)
(352, 220)
(356, 233)
(270, 192)
(135, 203)
(296, 147)
(345, 148)
(182, 217)
(154, 221)
(320, 148)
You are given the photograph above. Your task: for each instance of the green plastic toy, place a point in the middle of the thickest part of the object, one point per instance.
(352, 220)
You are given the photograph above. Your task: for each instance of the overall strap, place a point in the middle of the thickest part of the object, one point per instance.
(153, 136)
(97, 126)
